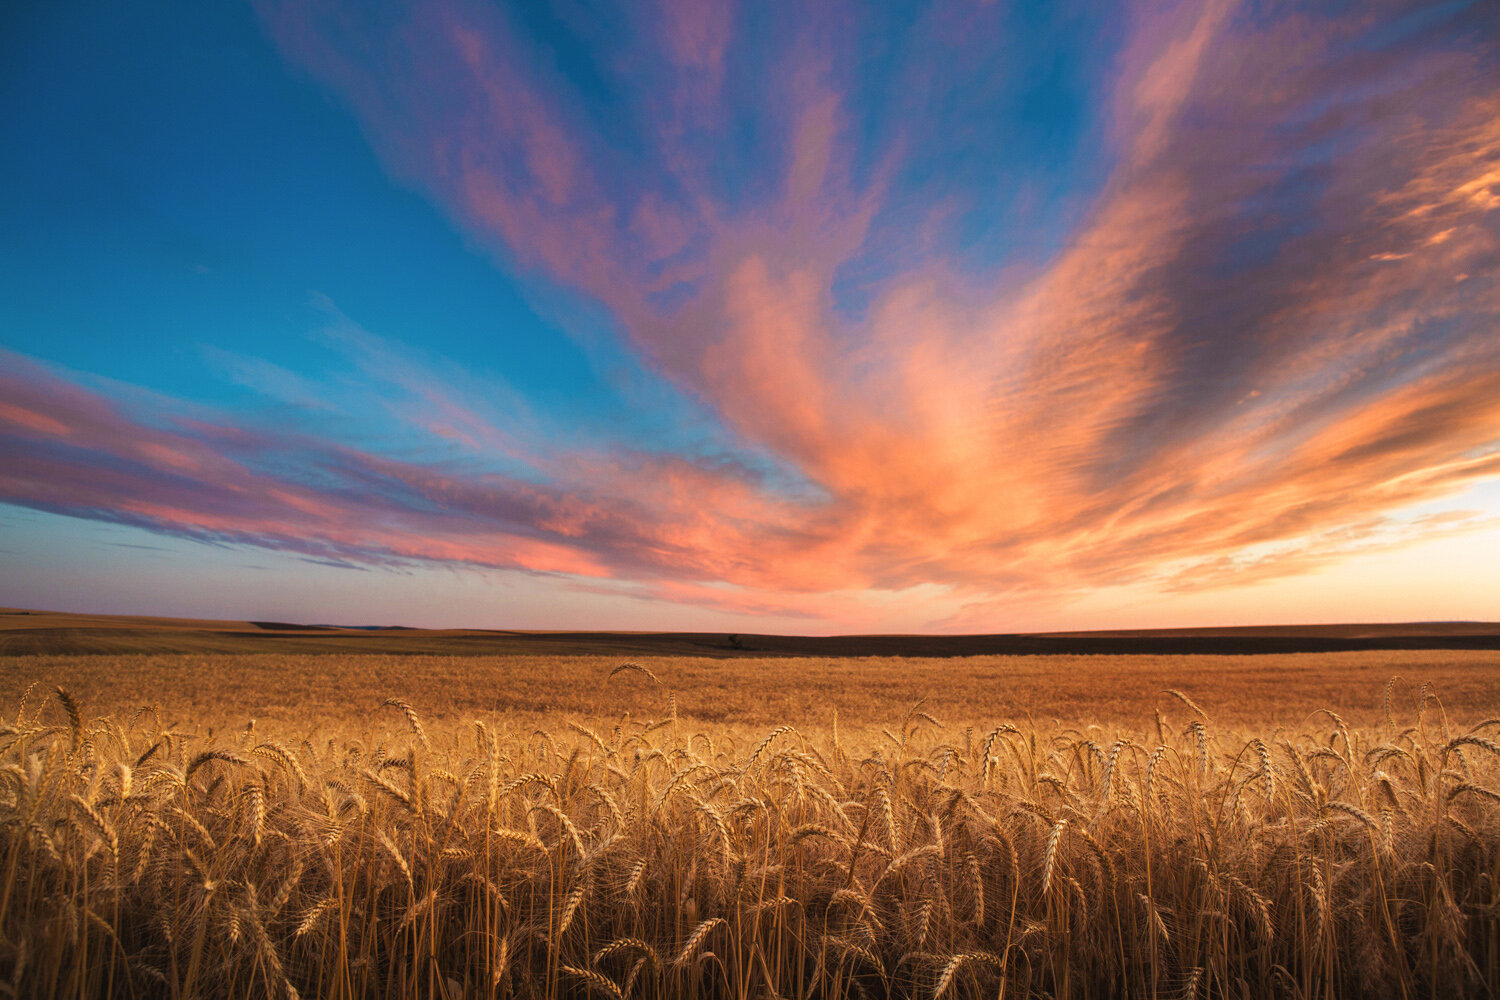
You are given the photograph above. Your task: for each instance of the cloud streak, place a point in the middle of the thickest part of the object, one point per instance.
(1275, 323)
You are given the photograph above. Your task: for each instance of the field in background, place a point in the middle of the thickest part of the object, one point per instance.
(30, 632)
(294, 693)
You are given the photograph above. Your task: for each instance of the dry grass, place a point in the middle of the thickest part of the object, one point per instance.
(612, 842)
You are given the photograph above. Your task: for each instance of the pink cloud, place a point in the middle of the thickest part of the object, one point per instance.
(697, 32)
(31, 420)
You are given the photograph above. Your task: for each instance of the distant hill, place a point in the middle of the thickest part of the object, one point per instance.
(24, 632)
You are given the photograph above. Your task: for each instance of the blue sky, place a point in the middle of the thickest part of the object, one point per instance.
(695, 315)
(178, 192)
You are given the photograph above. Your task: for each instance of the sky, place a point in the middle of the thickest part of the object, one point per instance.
(675, 314)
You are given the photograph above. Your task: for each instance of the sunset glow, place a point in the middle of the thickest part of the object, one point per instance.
(969, 317)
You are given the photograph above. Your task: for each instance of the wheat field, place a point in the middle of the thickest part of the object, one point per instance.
(641, 837)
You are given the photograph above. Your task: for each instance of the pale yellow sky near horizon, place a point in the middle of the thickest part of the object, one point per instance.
(1452, 577)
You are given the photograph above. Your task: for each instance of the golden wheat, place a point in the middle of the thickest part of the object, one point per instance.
(624, 857)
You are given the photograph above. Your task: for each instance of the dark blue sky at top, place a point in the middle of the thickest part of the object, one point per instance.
(172, 185)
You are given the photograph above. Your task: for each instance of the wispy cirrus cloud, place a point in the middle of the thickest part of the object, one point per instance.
(1276, 321)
